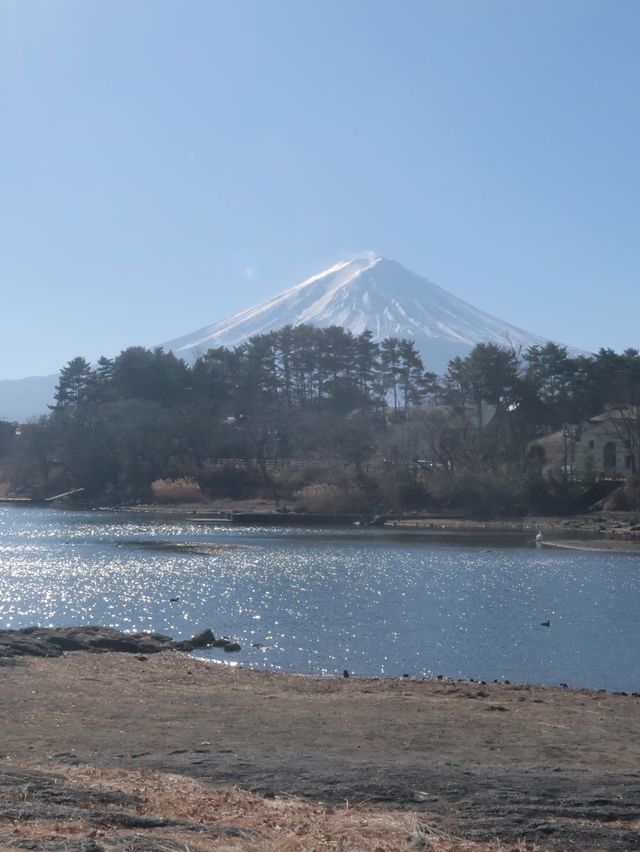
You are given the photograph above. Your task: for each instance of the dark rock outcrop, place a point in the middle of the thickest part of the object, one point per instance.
(54, 641)
(203, 639)
(206, 639)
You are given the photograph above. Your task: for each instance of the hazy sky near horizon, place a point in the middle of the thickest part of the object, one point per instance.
(165, 164)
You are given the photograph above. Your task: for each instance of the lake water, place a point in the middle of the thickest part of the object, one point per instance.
(375, 602)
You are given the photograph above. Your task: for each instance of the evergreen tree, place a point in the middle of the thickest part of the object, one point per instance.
(102, 389)
(74, 385)
(366, 362)
(390, 366)
(411, 370)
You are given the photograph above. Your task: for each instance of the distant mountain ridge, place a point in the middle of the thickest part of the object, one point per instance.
(368, 293)
(23, 399)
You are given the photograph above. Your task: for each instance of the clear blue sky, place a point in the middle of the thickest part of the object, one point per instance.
(166, 164)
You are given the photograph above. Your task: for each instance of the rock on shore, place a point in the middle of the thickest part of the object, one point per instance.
(54, 641)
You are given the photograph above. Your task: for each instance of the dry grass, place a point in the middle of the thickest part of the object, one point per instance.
(184, 490)
(326, 498)
(281, 824)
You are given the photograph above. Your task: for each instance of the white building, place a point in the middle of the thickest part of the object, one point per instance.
(604, 447)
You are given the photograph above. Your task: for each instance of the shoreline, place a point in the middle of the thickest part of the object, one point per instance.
(630, 548)
(34, 642)
(605, 532)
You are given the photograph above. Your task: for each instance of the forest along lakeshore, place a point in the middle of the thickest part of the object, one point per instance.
(327, 421)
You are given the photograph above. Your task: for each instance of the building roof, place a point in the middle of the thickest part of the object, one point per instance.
(630, 412)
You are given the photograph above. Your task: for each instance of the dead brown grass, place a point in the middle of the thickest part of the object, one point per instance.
(323, 497)
(281, 824)
(183, 490)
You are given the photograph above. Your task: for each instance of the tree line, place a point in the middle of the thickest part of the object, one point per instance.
(356, 411)
(293, 369)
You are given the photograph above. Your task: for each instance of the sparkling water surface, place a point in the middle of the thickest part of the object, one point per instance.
(376, 602)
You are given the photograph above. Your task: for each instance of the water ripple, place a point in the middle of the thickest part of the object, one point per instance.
(320, 601)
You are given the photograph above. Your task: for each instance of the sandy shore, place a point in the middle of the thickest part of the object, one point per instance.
(552, 766)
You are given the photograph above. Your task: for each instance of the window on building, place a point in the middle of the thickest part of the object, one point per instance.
(592, 445)
(609, 456)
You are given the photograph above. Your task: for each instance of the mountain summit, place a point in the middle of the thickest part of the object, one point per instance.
(368, 293)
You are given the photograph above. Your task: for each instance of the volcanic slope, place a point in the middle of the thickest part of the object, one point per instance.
(368, 293)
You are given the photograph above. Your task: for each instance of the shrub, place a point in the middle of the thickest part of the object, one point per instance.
(183, 490)
(235, 482)
(626, 498)
(501, 491)
(326, 499)
(399, 490)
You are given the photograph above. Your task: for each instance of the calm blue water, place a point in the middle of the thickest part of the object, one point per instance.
(319, 601)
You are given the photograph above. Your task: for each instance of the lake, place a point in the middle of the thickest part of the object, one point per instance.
(374, 601)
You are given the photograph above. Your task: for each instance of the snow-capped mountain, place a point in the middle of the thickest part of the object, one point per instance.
(368, 293)
(364, 293)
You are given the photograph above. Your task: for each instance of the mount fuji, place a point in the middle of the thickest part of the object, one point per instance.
(368, 293)
(363, 293)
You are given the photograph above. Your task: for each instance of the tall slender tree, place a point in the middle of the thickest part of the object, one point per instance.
(74, 385)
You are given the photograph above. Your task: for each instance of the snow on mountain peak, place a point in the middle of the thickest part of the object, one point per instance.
(369, 292)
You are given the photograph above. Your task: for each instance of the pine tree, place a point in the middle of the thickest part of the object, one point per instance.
(410, 371)
(74, 385)
(102, 389)
(390, 357)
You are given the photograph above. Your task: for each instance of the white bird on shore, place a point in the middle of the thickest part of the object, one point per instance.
(539, 539)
